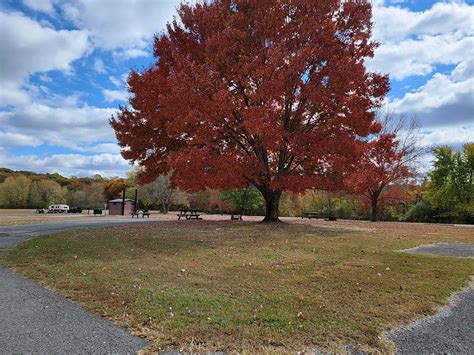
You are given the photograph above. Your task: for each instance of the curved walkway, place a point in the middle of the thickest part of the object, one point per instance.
(36, 320)
(450, 331)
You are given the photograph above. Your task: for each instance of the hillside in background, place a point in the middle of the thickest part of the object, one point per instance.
(58, 178)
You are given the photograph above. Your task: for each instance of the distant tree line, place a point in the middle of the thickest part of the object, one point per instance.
(37, 191)
(445, 194)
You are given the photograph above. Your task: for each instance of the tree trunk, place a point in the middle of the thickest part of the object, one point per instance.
(164, 208)
(272, 202)
(374, 208)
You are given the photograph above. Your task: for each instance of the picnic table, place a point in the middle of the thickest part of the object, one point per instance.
(143, 212)
(310, 214)
(236, 217)
(189, 214)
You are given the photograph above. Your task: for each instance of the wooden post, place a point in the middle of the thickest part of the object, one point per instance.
(136, 200)
(123, 201)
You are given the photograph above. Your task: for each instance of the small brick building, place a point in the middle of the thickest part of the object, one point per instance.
(115, 207)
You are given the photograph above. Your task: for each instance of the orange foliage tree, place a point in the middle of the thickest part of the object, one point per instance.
(268, 93)
(114, 188)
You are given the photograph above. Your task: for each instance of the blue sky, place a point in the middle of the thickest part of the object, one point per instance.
(63, 65)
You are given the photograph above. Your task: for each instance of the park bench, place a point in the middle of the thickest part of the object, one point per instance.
(236, 217)
(188, 214)
(309, 214)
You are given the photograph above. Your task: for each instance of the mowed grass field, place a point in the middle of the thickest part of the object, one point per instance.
(247, 286)
(14, 217)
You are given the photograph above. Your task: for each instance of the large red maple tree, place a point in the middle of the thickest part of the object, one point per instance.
(270, 93)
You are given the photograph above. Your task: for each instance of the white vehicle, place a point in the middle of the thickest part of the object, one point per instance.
(58, 209)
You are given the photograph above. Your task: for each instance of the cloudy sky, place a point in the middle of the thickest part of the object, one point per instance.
(63, 65)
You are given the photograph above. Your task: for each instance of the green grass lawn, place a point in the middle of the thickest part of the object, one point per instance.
(250, 286)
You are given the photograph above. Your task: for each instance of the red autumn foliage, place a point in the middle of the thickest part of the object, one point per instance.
(268, 93)
(385, 161)
(394, 196)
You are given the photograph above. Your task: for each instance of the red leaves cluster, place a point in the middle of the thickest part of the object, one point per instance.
(269, 93)
(381, 164)
(384, 164)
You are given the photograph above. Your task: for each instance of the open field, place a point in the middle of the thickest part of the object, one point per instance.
(10, 211)
(215, 285)
(13, 217)
(21, 217)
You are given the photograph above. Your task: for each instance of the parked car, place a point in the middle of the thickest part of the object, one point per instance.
(58, 209)
(75, 209)
(97, 211)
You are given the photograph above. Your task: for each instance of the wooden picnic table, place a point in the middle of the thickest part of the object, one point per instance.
(143, 212)
(189, 214)
(236, 217)
(311, 214)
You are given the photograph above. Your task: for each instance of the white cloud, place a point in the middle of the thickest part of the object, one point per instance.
(453, 136)
(70, 127)
(99, 66)
(46, 6)
(111, 148)
(12, 95)
(393, 24)
(464, 71)
(45, 78)
(105, 164)
(28, 47)
(115, 81)
(419, 57)
(121, 24)
(18, 139)
(413, 43)
(444, 100)
(119, 81)
(130, 53)
(115, 95)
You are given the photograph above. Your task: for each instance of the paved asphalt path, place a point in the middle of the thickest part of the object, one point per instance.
(36, 320)
(459, 250)
(450, 331)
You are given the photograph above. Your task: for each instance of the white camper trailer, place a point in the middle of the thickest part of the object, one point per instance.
(58, 209)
